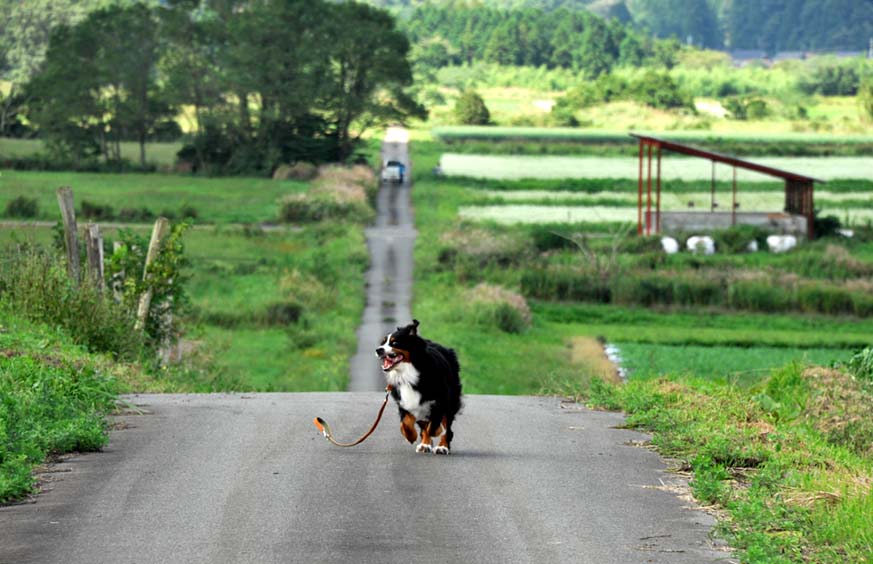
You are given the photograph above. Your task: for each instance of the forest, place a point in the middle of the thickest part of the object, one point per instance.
(772, 26)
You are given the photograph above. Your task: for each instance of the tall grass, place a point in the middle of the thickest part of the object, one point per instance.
(34, 283)
(54, 400)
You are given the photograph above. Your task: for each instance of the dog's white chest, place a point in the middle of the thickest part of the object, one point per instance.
(403, 378)
(410, 400)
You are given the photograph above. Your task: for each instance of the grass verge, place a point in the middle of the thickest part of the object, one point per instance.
(54, 397)
(787, 464)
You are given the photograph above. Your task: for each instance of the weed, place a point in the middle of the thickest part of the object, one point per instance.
(23, 207)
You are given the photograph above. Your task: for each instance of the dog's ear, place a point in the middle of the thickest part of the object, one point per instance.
(414, 330)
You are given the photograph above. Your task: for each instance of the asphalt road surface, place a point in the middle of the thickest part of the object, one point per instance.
(389, 280)
(247, 478)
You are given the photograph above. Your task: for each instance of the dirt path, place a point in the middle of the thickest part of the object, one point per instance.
(389, 281)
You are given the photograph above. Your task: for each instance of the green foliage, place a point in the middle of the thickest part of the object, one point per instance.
(54, 400)
(744, 108)
(35, 284)
(23, 207)
(97, 86)
(470, 109)
(865, 97)
(654, 89)
(764, 456)
(861, 365)
(165, 279)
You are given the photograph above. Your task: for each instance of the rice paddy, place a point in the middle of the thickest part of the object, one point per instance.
(509, 167)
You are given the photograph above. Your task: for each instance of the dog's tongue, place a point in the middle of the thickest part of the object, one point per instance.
(386, 363)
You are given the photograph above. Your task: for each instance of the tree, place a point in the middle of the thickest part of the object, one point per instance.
(367, 73)
(97, 84)
(865, 97)
(470, 109)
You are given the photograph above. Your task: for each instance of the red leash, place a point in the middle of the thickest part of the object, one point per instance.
(325, 428)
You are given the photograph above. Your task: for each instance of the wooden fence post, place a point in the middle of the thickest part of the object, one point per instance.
(94, 245)
(158, 233)
(71, 238)
(117, 281)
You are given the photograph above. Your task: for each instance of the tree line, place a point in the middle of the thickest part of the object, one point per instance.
(769, 25)
(263, 81)
(458, 33)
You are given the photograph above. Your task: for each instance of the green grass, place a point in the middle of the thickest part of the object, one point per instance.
(161, 154)
(55, 397)
(460, 133)
(236, 278)
(773, 458)
(739, 365)
(216, 200)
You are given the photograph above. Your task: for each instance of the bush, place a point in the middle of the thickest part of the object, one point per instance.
(299, 171)
(136, 215)
(338, 193)
(499, 307)
(96, 212)
(49, 406)
(23, 207)
(35, 285)
(470, 109)
(737, 239)
(470, 249)
(861, 364)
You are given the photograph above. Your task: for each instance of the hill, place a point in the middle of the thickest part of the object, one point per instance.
(770, 25)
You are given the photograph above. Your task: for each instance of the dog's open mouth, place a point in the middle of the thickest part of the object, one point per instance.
(390, 360)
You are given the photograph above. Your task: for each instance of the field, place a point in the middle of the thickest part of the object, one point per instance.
(216, 200)
(677, 168)
(162, 155)
(676, 339)
(269, 310)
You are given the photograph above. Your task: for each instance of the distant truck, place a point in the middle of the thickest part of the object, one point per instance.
(393, 171)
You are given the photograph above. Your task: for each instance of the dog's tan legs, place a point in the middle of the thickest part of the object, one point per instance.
(428, 431)
(407, 428)
(443, 447)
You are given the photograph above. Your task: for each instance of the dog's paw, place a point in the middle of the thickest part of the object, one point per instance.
(441, 450)
(423, 448)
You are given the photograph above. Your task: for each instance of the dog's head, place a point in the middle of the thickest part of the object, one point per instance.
(399, 346)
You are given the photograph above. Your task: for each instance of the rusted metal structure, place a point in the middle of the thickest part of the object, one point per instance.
(798, 187)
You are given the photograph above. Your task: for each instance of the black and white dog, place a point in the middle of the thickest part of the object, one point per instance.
(426, 385)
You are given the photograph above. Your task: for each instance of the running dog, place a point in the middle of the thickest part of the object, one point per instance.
(425, 383)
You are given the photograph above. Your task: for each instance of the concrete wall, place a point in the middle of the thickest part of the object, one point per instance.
(783, 223)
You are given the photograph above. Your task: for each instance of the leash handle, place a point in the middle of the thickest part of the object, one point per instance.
(322, 425)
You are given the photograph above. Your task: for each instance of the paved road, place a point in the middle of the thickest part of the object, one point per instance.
(238, 479)
(389, 279)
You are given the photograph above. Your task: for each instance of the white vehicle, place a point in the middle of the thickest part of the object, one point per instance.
(393, 171)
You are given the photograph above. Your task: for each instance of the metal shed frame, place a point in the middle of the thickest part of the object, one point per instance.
(798, 187)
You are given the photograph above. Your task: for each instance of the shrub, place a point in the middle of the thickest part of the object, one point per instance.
(759, 296)
(499, 307)
(566, 284)
(282, 313)
(737, 239)
(338, 193)
(97, 212)
(49, 405)
(861, 364)
(136, 215)
(819, 298)
(468, 249)
(35, 285)
(470, 109)
(188, 212)
(299, 171)
(22, 206)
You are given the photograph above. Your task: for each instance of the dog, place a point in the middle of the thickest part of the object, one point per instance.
(425, 382)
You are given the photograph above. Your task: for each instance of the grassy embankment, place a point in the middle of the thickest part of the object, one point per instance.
(55, 396)
(781, 454)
